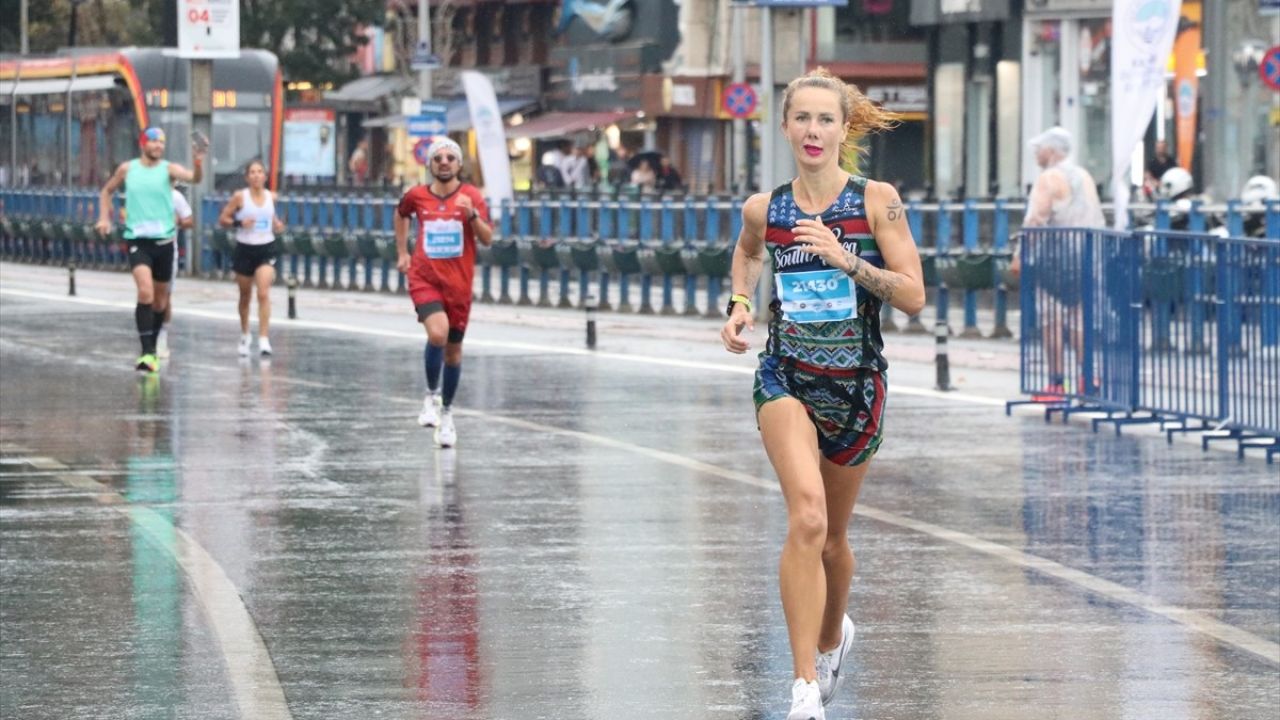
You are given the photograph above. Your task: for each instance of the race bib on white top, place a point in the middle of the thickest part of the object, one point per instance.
(443, 239)
(262, 224)
(818, 296)
(149, 229)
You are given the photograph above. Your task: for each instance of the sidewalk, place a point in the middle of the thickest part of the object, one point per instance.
(986, 367)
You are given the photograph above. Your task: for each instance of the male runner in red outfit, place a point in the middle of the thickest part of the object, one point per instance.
(452, 218)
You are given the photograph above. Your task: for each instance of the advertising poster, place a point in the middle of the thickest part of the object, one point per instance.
(310, 136)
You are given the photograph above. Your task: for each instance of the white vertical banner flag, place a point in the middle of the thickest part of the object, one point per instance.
(491, 137)
(1142, 33)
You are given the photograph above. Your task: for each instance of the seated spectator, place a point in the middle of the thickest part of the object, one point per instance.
(668, 177)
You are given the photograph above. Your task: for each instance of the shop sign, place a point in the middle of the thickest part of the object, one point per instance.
(933, 12)
(1057, 7)
(900, 98)
(683, 95)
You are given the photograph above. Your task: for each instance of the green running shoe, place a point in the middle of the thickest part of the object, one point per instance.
(148, 363)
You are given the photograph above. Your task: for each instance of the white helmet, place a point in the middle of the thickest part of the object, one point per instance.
(1259, 188)
(1174, 182)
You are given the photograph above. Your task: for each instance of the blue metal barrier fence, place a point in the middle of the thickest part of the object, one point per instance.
(1181, 329)
(646, 254)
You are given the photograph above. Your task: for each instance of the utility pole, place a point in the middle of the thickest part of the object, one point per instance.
(424, 35)
(22, 14)
(740, 179)
(768, 133)
(202, 123)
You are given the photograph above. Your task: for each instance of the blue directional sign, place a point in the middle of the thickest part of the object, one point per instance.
(429, 121)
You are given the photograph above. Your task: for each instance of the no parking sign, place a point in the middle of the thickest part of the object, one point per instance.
(420, 149)
(740, 100)
(1269, 68)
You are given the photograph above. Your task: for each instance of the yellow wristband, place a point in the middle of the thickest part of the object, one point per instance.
(741, 299)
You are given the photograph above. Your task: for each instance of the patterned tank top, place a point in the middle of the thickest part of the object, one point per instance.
(822, 320)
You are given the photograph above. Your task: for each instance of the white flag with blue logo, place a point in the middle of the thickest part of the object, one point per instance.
(1142, 34)
(491, 138)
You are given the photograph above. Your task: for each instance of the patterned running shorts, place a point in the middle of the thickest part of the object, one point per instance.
(846, 406)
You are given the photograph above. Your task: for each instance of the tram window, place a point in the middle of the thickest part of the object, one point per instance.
(238, 137)
(6, 142)
(39, 154)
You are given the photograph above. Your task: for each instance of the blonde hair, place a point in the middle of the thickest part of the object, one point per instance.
(861, 116)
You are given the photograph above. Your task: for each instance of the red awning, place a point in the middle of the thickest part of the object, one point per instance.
(558, 124)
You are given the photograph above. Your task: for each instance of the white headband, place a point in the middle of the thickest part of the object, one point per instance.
(444, 143)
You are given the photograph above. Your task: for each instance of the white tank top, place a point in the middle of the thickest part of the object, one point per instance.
(1081, 208)
(262, 216)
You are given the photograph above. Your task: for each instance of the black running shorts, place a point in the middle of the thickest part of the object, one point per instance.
(155, 254)
(246, 259)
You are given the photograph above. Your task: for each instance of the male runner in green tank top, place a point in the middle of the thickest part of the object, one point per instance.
(149, 230)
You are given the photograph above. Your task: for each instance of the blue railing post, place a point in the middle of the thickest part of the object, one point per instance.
(1196, 220)
(646, 279)
(1235, 219)
(544, 226)
(1001, 246)
(970, 228)
(943, 245)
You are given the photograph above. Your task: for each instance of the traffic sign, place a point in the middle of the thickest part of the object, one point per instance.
(420, 149)
(426, 125)
(740, 100)
(431, 119)
(423, 58)
(1269, 68)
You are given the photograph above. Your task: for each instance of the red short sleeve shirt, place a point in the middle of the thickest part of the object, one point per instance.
(445, 250)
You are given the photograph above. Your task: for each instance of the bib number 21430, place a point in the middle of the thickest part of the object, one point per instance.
(818, 296)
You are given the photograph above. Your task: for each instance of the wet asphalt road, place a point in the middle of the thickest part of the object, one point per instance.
(248, 538)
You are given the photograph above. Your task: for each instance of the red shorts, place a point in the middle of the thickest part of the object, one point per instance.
(425, 293)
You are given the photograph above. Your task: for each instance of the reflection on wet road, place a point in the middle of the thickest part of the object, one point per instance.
(602, 544)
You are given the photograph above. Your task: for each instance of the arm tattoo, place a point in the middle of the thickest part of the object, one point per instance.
(881, 283)
(894, 211)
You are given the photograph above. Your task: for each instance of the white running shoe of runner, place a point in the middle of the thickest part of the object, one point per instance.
(831, 663)
(162, 344)
(430, 415)
(264, 346)
(446, 435)
(246, 344)
(806, 701)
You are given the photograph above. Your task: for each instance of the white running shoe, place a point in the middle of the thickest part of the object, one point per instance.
(264, 346)
(246, 344)
(162, 344)
(446, 435)
(830, 663)
(806, 701)
(430, 415)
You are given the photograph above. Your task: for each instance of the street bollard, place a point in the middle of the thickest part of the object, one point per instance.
(292, 284)
(590, 306)
(940, 360)
(71, 279)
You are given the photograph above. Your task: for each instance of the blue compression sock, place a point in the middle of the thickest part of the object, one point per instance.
(452, 373)
(432, 361)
